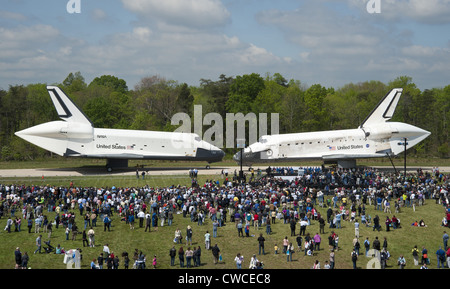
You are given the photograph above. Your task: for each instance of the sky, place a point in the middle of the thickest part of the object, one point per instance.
(332, 43)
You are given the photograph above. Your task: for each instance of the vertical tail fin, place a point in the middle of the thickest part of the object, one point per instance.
(384, 110)
(65, 107)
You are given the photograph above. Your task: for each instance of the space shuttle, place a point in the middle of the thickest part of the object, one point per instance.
(75, 136)
(375, 137)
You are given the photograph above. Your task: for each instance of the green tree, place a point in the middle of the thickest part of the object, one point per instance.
(74, 82)
(111, 81)
(160, 97)
(316, 116)
(185, 99)
(215, 94)
(108, 108)
(292, 108)
(243, 91)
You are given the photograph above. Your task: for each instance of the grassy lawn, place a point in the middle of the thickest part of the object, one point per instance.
(159, 242)
(64, 162)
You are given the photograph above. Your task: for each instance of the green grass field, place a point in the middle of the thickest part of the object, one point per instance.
(65, 162)
(121, 238)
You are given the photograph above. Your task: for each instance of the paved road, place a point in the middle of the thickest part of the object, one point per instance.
(100, 171)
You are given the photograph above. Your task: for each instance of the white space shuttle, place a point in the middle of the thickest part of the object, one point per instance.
(375, 137)
(75, 136)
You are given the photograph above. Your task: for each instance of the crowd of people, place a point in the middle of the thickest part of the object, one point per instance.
(256, 203)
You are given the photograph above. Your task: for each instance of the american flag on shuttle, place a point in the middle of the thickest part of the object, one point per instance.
(331, 148)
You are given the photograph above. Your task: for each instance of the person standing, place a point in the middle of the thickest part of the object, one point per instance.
(154, 262)
(178, 237)
(100, 261)
(197, 256)
(401, 262)
(332, 259)
(215, 226)
(415, 253)
(91, 236)
(239, 259)
(367, 246)
(317, 240)
(383, 258)
(253, 262)
(292, 224)
(261, 240)
(38, 244)
(85, 240)
(354, 256)
(289, 252)
(440, 254)
(25, 259)
(356, 245)
(30, 224)
(445, 240)
(188, 235)
(448, 257)
(424, 256)
(126, 261)
(215, 252)
(376, 244)
(387, 223)
(303, 224)
(239, 226)
(268, 226)
(189, 254)
(181, 256)
(148, 222)
(106, 223)
(207, 240)
(321, 225)
(18, 258)
(172, 254)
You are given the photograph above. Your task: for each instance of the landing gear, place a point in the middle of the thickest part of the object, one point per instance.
(208, 167)
(112, 164)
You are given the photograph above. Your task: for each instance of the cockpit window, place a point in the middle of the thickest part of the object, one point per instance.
(262, 140)
(197, 138)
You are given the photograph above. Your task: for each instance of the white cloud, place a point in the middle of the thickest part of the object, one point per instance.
(422, 11)
(190, 13)
(29, 36)
(337, 48)
(99, 15)
(8, 15)
(173, 39)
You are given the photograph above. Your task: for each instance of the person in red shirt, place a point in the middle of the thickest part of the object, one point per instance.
(256, 220)
(448, 257)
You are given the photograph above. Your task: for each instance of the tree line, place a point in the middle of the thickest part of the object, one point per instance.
(151, 103)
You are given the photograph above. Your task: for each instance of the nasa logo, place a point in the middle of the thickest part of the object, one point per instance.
(367, 145)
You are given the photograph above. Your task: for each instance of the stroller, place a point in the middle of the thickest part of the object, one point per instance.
(49, 247)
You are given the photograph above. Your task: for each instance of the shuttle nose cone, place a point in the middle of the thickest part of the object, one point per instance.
(211, 156)
(221, 154)
(237, 157)
(248, 158)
